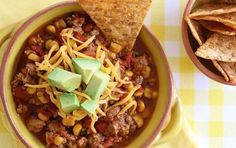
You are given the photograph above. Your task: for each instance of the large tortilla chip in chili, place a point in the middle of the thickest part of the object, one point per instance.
(230, 69)
(213, 9)
(119, 20)
(218, 27)
(218, 47)
(196, 30)
(226, 19)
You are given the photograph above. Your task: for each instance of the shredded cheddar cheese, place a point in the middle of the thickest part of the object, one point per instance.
(62, 58)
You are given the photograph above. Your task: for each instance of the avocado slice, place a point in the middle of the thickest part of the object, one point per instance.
(64, 80)
(86, 67)
(69, 102)
(89, 106)
(97, 85)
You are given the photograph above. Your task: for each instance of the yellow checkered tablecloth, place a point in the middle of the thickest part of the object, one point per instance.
(208, 105)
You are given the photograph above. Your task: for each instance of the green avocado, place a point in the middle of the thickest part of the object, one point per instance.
(64, 80)
(86, 67)
(97, 85)
(89, 106)
(69, 102)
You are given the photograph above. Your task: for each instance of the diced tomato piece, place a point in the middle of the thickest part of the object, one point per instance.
(107, 143)
(128, 58)
(87, 121)
(38, 50)
(21, 94)
(79, 21)
(88, 27)
(101, 127)
(90, 53)
(80, 37)
(32, 40)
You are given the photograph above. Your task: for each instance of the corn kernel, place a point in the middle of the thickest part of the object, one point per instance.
(51, 29)
(42, 117)
(106, 69)
(139, 120)
(129, 73)
(72, 43)
(147, 93)
(42, 98)
(31, 90)
(146, 113)
(116, 48)
(138, 93)
(141, 105)
(51, 44)
(112, 55)
(47, 44)
(77, 128)
(68, 121)
(60, 23)
(58, 140)
(154, 94)
(147, 72)
(130, 87)
(34, 57)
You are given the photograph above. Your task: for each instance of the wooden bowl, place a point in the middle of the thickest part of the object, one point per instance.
(204, 65)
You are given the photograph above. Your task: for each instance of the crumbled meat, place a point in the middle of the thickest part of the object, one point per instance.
(124, 130)
(36, 40)
(112, 129)
(131, 122)
(21, 109)
(22, 77)
(82, 142)
(35, 101)
(95, 31)
(113, 112)
(139, 64)
(31, 69)
(138, 80)
(55, 126)
(21, 95)
(71, 144)
(65, 134)
(95, 140)
(35, 125)
(88, 28)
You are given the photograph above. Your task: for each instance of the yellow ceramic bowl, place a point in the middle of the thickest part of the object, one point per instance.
(13, 52)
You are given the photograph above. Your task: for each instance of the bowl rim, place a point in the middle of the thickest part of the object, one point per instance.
(68, 3)
(189, 50)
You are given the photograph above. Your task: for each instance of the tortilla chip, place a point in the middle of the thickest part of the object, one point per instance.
(230, 69)
(119, 20)
(213, 9)
(196, 30)
(218, 27)
(218, 47)
(226, 19)
(218, 67)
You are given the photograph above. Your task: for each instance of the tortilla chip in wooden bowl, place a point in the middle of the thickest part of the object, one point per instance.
(218, 47)
(219, 67)
(214, 55)
(228, 19)
(213, 9)
(196, 29)
(230, 70)
(218, 27)
(119, 20)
